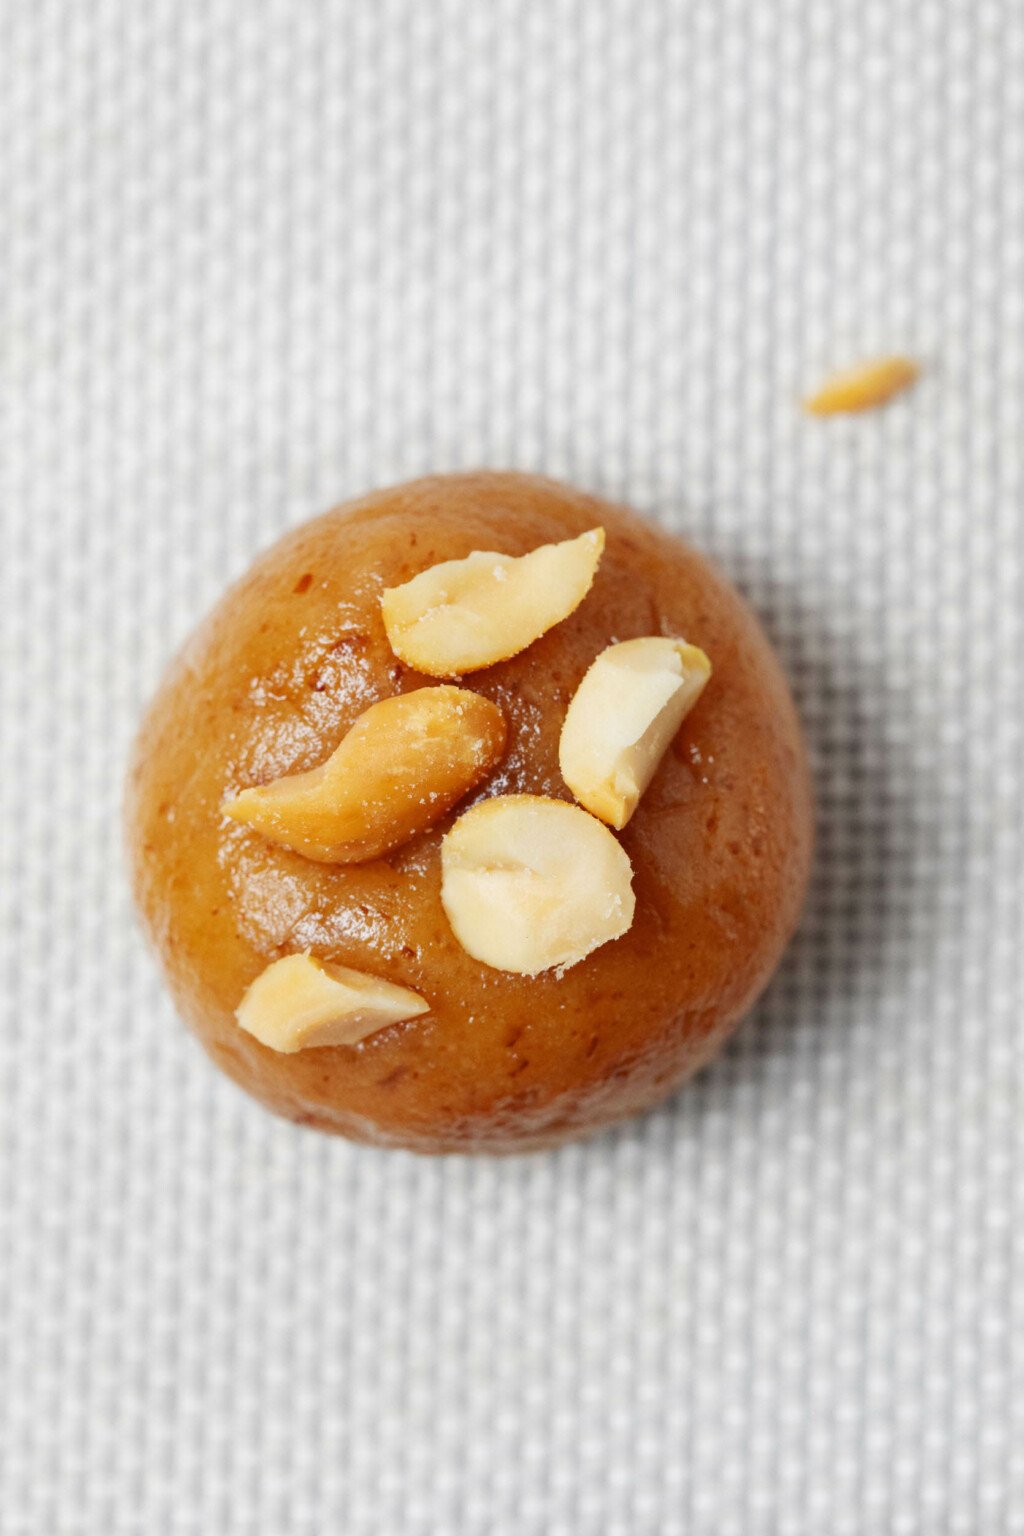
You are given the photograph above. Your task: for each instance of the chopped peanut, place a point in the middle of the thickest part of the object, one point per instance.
(622, 717)
(300, 1002)
(863, 387)
(529, 883)
(462, 615)
(405, 762)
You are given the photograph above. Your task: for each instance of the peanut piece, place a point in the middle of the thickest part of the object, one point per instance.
(405, 762)
(529, 883)
(622, 717)
(461, 615)
(863, 387)
(300, 1002)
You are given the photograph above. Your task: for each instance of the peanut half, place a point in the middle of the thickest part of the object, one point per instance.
(300, 1002)
(405, 762)
(529, 883)
(465, 614)
(622, 717)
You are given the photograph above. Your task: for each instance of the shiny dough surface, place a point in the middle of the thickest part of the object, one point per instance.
(268, 685)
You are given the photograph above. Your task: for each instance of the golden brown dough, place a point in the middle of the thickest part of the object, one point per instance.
(720, 842)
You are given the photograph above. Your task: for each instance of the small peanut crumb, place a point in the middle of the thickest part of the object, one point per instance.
(864, 387)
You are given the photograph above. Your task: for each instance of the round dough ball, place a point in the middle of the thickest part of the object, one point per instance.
(720, 842)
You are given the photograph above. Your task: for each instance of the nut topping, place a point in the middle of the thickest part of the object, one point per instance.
(300, 1002)
(405, 762)
(465, 614)
(529, 884)
(622, 717)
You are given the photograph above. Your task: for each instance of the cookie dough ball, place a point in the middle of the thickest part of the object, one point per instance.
(270, 684)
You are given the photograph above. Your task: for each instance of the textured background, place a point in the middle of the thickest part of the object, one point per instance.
(254, 259)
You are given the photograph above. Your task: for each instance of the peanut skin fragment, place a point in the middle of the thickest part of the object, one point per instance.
(404, 763)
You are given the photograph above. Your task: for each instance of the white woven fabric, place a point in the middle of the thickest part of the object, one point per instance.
(257, 258)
